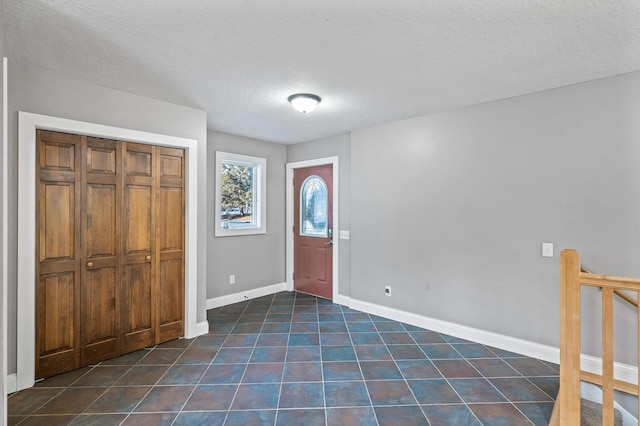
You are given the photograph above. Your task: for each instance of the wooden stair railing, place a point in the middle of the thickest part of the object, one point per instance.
(567, 408)
(630, 300)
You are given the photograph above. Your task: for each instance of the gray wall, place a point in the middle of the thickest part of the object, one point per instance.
(452, 208)
(339, 146)
(42, 93)
(255, 260)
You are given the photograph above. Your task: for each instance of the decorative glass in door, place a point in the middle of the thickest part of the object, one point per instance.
(313, 207)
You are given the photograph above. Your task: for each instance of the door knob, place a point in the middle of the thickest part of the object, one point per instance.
(148, 257)
(330, 242)
(89, 264)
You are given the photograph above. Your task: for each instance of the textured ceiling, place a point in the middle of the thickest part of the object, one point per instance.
(372, 61)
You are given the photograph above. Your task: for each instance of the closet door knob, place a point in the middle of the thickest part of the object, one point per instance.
(89, 264)
(148, 257)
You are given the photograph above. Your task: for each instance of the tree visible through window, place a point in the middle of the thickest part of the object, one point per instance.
(237, 194)
(240, 194)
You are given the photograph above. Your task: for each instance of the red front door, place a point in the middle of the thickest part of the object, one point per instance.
(313, 230)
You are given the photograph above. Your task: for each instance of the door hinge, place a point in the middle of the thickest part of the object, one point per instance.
(293, 275)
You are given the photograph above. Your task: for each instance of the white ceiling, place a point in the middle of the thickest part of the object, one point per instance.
(372, 61)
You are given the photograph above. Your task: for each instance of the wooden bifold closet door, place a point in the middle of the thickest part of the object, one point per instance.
(110, 253)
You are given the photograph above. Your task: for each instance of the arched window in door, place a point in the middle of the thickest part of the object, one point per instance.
(313, 207)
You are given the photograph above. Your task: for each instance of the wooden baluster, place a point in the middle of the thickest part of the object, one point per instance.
(569, 395)
(607, 357)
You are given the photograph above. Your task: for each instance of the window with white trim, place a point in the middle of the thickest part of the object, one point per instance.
(240, 195)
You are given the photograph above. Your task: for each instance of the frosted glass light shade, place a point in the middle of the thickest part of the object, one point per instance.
(304, 102)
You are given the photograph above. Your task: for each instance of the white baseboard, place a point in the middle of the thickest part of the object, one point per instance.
(512, 344)
(625, 372)
(228, 299)
(11, 383)
(216, 302)
(342, 300)
(592, 364)
(202, 328)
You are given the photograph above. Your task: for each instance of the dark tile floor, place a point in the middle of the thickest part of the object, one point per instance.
(293, 359)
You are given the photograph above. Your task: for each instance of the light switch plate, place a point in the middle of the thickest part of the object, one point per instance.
(344, 235)
(547, 249)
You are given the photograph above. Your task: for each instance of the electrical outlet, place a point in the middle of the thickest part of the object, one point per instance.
(547, 249)
(232, 279)
(387, 290)
(344, 235)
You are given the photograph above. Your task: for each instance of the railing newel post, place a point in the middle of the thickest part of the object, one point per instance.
(569, 394)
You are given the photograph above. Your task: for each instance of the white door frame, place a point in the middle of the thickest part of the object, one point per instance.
(290, 196)
(27, 125)
(4, 279)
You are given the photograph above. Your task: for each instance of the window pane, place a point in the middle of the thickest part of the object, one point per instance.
(313, 207)
(240, 195)
(237, 195)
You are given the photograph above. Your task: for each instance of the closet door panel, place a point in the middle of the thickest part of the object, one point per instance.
(171, 243)
(171, 218)
(99, 315)
(58, 340)
(57, 320)
(139, 289)
(58, 261)
(102, 157)
(138, 215)
(57, 241)
(138, 326)
(102, 212)
(100, 247)
(137, 316)
(171, 300)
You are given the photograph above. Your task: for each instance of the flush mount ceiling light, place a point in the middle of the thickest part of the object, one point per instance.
(304, 102)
